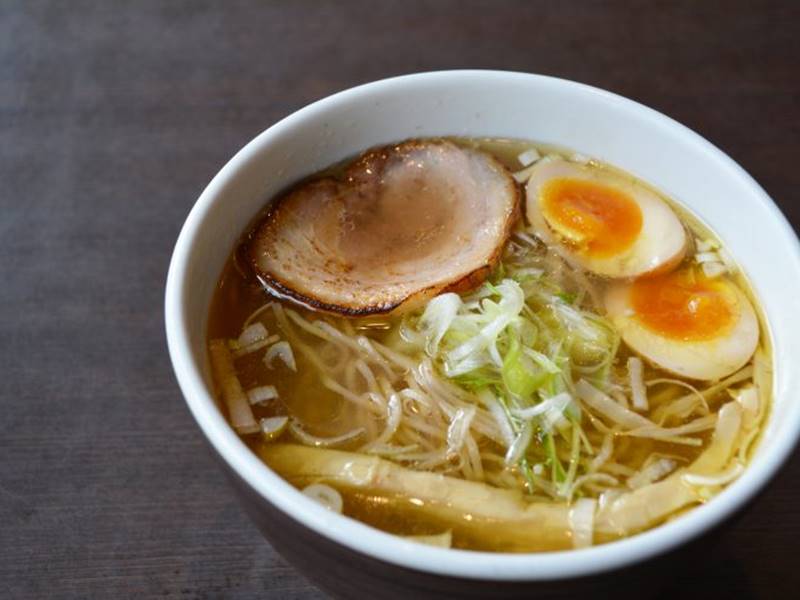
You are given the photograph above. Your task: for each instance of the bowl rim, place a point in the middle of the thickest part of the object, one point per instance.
(392, 549)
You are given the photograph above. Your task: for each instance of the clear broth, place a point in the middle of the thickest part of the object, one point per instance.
(324, 413)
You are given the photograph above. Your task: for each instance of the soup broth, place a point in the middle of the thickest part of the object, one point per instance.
(559, 433)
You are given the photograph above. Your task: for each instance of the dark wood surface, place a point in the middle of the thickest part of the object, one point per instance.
(114, 116)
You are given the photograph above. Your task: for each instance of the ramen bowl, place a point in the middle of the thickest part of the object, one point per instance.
(348, 558)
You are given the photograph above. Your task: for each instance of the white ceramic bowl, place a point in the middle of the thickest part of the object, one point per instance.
(476, 103)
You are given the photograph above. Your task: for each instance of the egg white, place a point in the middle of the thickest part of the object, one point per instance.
(660, 245)
(705, 360)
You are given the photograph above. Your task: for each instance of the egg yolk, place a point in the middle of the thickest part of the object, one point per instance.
(683, 305)
(599, 220)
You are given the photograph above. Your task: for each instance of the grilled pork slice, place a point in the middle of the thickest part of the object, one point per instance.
(404, 223)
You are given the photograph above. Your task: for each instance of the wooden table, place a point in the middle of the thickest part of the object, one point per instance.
(114, 116)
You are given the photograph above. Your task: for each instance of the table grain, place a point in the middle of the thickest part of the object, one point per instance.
(115, 115)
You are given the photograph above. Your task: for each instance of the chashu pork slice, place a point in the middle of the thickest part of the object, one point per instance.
(404, 223)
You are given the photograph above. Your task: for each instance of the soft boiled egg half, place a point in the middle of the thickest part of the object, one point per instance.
(601, 221)
(686, 323)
